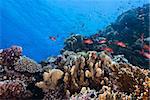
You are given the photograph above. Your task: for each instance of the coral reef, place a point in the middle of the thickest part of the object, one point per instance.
(104, 66)
(97, 70)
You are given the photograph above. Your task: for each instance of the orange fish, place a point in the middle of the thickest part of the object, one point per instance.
(102, 41)
(145, 54)
(107, 49)
(146, 47)
(121, 44)
(52, 38)
(88, 41)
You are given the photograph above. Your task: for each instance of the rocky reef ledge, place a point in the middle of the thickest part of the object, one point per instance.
(81, 75)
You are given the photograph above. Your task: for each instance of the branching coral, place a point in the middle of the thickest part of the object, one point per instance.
(50, 84)
(50, 79)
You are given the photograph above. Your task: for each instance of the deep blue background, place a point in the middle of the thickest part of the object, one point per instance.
(29, 23)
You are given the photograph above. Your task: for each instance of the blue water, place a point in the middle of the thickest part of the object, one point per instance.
(29, 23)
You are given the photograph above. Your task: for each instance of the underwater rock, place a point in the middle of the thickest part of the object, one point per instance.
(25, 64)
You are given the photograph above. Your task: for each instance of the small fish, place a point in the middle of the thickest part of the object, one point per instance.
(146, 47)
(102, 41)
(88, 41)
(145, 54)
(52, 38)
(107, 49)
(121, 44)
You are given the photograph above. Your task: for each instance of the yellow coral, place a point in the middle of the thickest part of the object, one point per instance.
(50, 79)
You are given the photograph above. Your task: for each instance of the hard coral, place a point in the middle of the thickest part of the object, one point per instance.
(99, 69)
(13, 89)
(25, 64)
(51, 79)
(10, 55)
(50, 84)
